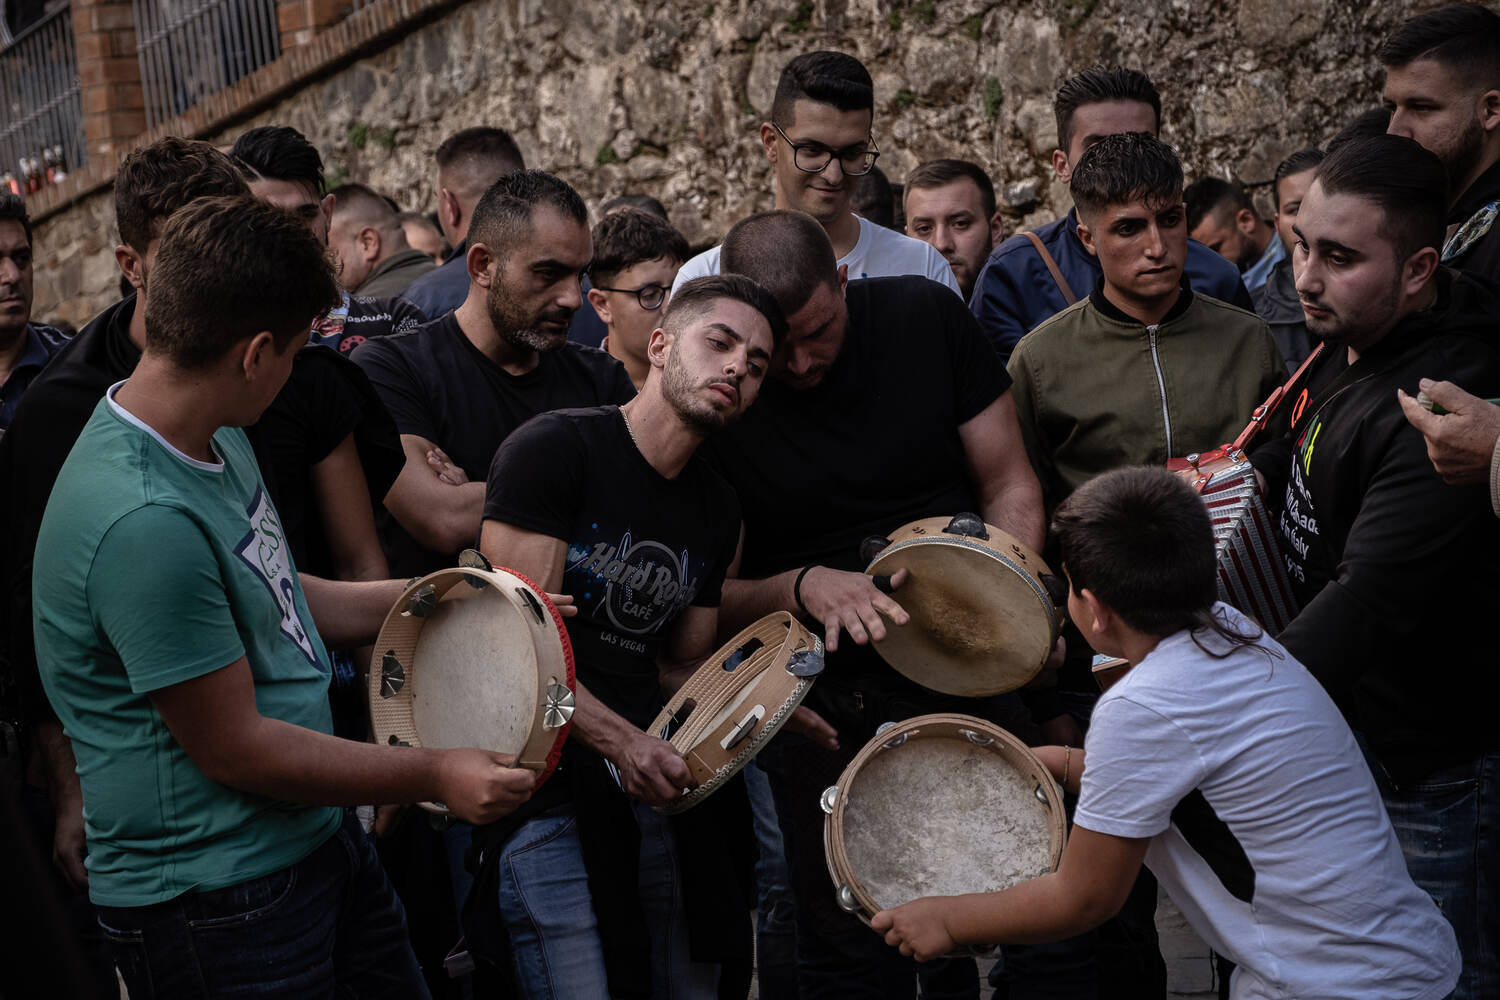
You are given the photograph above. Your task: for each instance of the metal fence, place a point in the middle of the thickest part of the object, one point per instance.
(40, 97)
(192, 48)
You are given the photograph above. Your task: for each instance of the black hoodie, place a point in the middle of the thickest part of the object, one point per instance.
(1396, 572)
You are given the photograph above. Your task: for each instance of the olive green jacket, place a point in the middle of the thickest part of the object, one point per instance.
(1094, 393)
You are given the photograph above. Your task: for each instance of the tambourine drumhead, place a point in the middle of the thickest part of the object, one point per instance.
(474, 657)
(737, 700)
(939, 805)
(982, 622)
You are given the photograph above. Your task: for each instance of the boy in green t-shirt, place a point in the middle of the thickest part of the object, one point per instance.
(186, 664)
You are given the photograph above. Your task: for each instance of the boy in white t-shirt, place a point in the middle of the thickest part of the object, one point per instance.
(1221, 764)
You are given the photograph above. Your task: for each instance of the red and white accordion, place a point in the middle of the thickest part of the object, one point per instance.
(1252, 572)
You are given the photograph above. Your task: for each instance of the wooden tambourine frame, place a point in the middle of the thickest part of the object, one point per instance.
(537, 664)
(737, 700)
(851, 894)
(983, 621)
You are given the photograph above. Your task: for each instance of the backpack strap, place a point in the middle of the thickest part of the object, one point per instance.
(1052, 268)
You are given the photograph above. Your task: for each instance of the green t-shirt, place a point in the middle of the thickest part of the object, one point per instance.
(152, 569)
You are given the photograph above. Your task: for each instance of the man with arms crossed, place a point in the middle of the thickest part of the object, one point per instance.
(1392, 567)
(819, 142)
(180, 652)
(613, 505)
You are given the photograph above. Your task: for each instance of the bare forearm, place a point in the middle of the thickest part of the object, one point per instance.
(440, 517)
(747, 601)
(1016, 507)
(283, 761)
(349, 614)
(1030, 913)
(599, 727)
(57, 755)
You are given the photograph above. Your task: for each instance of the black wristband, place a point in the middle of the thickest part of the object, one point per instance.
(797, 588)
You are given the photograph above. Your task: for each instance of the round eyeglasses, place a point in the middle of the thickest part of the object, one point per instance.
(814, 157)
(649, 296)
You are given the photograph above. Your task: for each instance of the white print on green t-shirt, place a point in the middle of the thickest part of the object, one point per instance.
(264, 551)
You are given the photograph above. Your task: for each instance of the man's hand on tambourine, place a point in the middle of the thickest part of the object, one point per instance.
(653, 771)
(480, 786)
(918, 929)
(851, 602)
(564, 604)
(813, 726)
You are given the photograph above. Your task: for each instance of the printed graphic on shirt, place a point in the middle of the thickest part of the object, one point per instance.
(1299, 523)
(645, 582)
(264, 550)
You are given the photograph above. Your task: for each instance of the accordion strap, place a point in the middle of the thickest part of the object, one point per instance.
(1264, 410)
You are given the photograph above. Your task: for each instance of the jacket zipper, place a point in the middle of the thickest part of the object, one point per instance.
(1161, 385)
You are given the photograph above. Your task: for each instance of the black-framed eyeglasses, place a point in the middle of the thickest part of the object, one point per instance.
(649, 296)
(814, 157)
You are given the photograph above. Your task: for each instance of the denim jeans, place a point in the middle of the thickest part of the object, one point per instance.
(776, 924)
(327, 926)
(1448, 825)
(549, 914)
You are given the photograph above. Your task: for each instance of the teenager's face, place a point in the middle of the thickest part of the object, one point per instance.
(952, 219)
(629, 323)
(15, 278)
(299, 199)
(1439, 109)
(1290, 191)
(1141, 246)
(1348, 277)
(535, 290)
(1092, 122)
(815, 335)
(715, 365)
(826, 194)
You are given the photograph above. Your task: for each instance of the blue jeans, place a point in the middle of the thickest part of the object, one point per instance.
(776, 926)
(549, 914)
(327, 926)
(1448, 825)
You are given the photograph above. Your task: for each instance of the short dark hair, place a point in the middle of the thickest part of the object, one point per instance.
(1463, 37)
(1301, 160)
(1119, 169)
(1141, 540)
(280, 153)
(785, 252)
(940, 173)
(1407, 183)
(1208, 195)
(156, 180)
(628, 237)
(375, 205)
(692, 298)
(639, 202)
(218, 257)
(13, 209)
(506, 208)
(827, 78)
(874, 199)
(483, 150)
(1099, 84)
(1373, 121)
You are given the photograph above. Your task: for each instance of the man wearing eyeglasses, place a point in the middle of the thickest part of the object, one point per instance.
(636, 256)
(819, 141)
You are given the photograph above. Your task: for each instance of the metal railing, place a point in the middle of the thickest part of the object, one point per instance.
(40, 103)
(189, 49)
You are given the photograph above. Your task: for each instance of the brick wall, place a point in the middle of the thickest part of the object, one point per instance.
(109, 76)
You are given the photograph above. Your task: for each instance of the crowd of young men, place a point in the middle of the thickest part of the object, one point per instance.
(212, 496)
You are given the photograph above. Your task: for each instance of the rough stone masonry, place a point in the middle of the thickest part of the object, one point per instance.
(664, 97)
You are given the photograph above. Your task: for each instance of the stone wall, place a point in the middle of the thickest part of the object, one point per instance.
(664, 97)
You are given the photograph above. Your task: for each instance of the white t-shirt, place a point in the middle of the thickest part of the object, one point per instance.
(1266, 827)
(878, 253)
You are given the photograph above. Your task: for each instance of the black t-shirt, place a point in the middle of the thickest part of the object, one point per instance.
(641, 547)
(326, 398)
(439, 386)
(876, 444)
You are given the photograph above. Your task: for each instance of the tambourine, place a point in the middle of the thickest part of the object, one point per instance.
(737, 700)
(983, 619)
(939, 805)
(474, 657)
